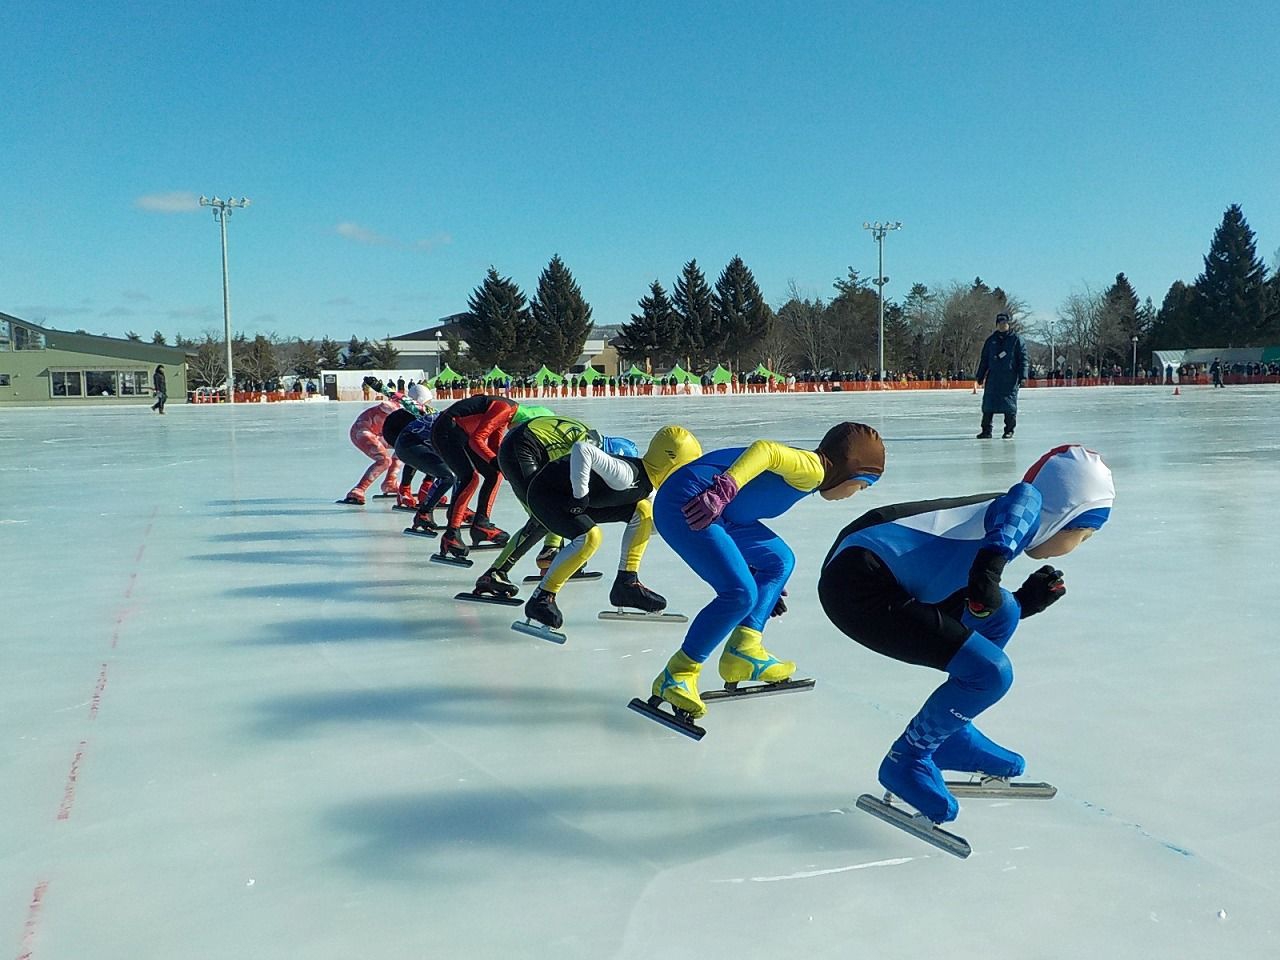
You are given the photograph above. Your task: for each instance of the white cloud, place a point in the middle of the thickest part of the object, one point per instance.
(179, 201)
(136, 295)
(435, 241)
(353, 231)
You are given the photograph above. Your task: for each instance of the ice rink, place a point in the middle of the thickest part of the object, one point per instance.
(242, 721)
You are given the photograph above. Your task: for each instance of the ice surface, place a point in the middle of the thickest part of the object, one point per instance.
(241, 721)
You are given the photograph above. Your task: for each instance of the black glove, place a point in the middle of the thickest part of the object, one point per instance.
(780, 607)
(578, 505)
(984, 582)
(1042, 589)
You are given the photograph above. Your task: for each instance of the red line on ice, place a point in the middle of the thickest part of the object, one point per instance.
(69, 793)
(96, 702)
(33, 920)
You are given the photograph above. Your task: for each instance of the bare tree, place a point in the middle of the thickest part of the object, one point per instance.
(805, 321)
(208, 368)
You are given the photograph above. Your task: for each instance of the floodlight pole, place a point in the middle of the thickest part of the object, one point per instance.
(222, 210)
(878, 231)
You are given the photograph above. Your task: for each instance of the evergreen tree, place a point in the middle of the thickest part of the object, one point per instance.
(853, 317)
(158, 339)
(1231, 309)
(653, 335)
(743, 319)
(695, 311)
(1175, 319)
(358, 354)
(330, 354)
(130, 335)
(499, 325)
(306, 359)
(384, 355)
(560, 316)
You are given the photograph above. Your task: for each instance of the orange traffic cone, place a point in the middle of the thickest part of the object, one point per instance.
(1177, 392)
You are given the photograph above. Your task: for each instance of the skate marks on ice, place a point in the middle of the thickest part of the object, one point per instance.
(640, 616)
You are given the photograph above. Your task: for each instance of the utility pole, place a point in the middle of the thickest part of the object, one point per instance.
(878, 231)
(222, 210)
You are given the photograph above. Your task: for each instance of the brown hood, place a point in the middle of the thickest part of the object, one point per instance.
(847, 450)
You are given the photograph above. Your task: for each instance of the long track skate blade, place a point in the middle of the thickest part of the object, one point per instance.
(1002, 788)
(486, 546)
(429, 534)
(580, 575)
(452, 561)
(539, 630)
(349, 503)
(487, 598)
(651, 709)
(639, 616)
(915, 824)
(396, 506)
(384, 496)
(735, 691)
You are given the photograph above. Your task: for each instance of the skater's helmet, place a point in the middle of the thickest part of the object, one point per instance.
(670, 449)
(620, 447)
(850, 451)
(527, 411)
(394, 423)
(1076, 489)
(420, 393)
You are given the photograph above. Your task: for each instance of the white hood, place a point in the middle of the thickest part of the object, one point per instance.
(1072, 481)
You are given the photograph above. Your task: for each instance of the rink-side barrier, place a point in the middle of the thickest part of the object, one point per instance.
(564, 391)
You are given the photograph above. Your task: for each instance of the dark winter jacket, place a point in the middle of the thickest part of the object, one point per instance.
(157, 381)
(1001, 371)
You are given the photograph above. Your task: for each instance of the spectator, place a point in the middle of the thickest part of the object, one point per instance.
(158, 383)
(1001, 372)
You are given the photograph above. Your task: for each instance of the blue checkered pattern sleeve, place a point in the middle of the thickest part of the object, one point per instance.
(1013, 519)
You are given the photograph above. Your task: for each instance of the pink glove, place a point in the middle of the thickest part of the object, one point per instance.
(704, 509)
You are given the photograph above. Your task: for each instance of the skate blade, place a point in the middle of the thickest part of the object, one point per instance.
(487, 546)
(396, 506)
(451, 561)
(1002, 788)
(349, 503)
(736, 691)
(384, 496)
(429, 534)
(916, 824)
(580, 575)
(679, 722)
(640, 616)
(539, 630)
(473, 597)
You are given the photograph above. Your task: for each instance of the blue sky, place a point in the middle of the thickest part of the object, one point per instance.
(393, 151)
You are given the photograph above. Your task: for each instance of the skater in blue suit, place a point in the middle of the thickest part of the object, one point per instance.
(920, 582)
(709, 512)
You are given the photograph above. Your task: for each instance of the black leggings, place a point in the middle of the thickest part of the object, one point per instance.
(866, 602)
(550, 496)
(420, 455)
(471, 471)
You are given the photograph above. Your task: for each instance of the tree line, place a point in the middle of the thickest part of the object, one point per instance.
(1234, 302)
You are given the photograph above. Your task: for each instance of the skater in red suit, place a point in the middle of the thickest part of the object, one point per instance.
(467, 435)
(366, 434)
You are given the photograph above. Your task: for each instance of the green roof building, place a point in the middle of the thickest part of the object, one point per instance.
(39, 365)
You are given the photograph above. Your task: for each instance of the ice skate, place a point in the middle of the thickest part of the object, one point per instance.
(1007, 435)
(677, 686)
(492, 587)
(355, 498)
(405, 500)
(485, 535)
(452, 550)
(423, 526)
(911, 775)
(969, 751)
(546, 557)
(645, 605)
(542, 618)
(749, 670)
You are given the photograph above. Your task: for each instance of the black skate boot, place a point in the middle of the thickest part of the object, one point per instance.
(495, 583)
(542, 607)
(628, 591)
(485, 534)
(452, 550)
(424, 525)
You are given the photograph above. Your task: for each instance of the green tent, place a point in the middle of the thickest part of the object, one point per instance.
(680, 375)
(637, 373)
(763, 371)
(544, 376)
(447, 375)
(497, 373)
(721, 375)
(590, 375)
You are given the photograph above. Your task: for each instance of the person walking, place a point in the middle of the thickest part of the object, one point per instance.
(1001, 371)
(158, 384)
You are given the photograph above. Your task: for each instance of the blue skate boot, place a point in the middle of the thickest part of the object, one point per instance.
(911, 774)
(969, 751)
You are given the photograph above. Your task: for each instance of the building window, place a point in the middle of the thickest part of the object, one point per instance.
(134, 383)
(100, 383)
(4, 379)
(14, 336)
(65, 383)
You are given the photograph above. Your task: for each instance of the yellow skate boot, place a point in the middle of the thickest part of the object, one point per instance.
(745, 658)
(678, 685)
